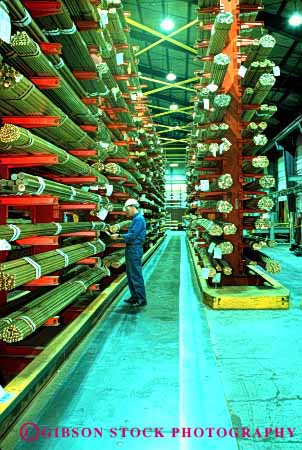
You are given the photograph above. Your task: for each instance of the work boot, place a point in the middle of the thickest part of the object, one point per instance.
(138, 304)
(130, 300)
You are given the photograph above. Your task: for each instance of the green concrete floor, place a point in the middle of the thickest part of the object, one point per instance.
(179, 364)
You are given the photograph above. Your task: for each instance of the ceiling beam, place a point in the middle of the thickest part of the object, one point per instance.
(166, 113)
(154, 80)
(172, 86)
(279, 25)
(160, 41)
(149, 30)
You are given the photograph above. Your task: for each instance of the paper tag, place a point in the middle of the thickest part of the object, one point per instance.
(4, 245)
(205, 273)
(104, 17)
(242, 71)
(5, 28)
(276, 71)
(204, 185)
(206, 103)
(102, 214)
(217, 253)
(211, 247)
(94, 188)
(120, 58)
(109, 189)
(216, 278)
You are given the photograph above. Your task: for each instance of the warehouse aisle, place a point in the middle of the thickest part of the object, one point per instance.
(137, 368)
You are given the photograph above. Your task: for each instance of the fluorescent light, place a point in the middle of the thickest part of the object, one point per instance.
(295, 20)
(173, 107)
(171, 76)
(173, 165)
(167, 24)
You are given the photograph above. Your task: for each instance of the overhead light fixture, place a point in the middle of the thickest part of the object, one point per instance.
(173, 165)
(171, 76)
(295, 19)
(167, 24)
(173, 107)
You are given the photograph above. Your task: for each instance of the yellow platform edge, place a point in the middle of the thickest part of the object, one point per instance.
(275, 296)
(26, 385)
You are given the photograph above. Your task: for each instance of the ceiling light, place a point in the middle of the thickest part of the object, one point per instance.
(167, 24)
(295, 20)
(173, 107)
(171, 76)
(173, 165)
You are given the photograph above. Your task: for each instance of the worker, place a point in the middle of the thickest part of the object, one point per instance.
(134, 239)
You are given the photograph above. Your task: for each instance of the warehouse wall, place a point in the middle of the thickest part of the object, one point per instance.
(176, 189)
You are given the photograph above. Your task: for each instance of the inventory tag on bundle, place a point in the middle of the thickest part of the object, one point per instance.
(94, 188)
(211, 247)
(104, 17)
(206, 103)
(4, 245)
(242, 71)
(217, 278)
(102, 214)
(217, 253)
(120, 59)
(109, 189)
(5, 24)
(204, 185)
(276, 71)
(205, 273)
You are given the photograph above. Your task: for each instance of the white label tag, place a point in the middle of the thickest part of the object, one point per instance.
(242, 71)
(4, 245)
(206, 103)
(104, 17)
(276, 71)
(109, 189)
(102, 214)
(211, 247)
(5, 26)
(217, 253)
(120, 58)
(4, 395)
(217, 278)
(94, 188)
(204, 185)
(205, 273)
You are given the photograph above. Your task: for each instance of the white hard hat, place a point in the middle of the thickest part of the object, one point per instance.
(131, 202)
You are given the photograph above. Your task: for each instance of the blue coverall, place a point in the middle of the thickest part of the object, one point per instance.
(134, 239)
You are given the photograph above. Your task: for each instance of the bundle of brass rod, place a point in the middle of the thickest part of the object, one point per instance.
(15, 231)
(14, 139)
(115, 260)
(265, 182)
(265, 112)
(207, 3)
(61, 28)
(82, 9)
(219, 68)
(248, 16)
(20, 271)
(221, 103)
(23, 183)
(263, 87)
(118, 170)
(255, 70)
(115, 228)
(228, 228)
(206, 262)
(50, 304)
(265, 203)
(220, 205)
(253, 128)
(258, 141)
(258, 162)
(222, 25)
(251, 32)
(19, 95)
(260, 49)
(22, 19)
(30, 55)
(209, 225)
(226, 247)
(263, 260)
(257, 223)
